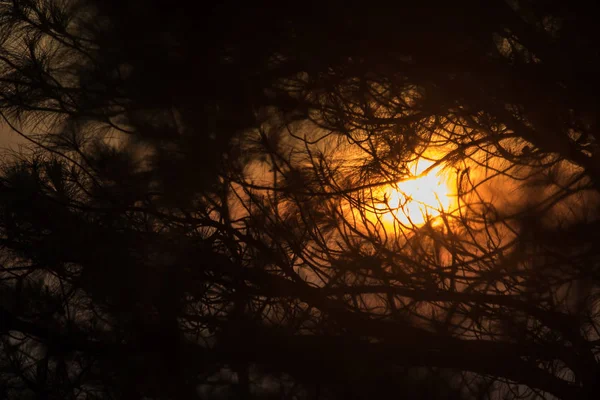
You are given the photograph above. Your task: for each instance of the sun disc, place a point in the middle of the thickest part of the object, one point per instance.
(414, 201)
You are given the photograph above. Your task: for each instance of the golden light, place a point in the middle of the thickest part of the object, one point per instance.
(417, 200)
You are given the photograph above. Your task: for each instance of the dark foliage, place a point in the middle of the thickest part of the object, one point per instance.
(198, 211)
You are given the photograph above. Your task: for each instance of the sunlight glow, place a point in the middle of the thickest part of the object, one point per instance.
(417, 200)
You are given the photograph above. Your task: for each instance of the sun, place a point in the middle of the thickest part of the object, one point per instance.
(421, 198)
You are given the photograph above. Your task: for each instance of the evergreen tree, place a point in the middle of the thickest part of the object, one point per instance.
(201, 209)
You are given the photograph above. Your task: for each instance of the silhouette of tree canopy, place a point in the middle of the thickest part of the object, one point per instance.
(198, 210)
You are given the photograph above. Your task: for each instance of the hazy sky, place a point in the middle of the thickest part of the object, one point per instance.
(8, 138)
